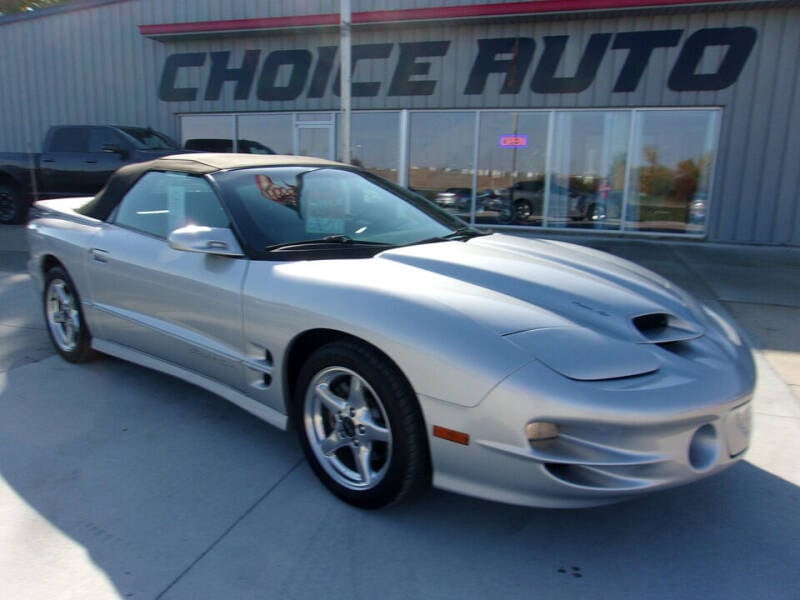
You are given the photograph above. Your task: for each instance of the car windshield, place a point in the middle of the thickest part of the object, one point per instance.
(149, 139)
(277, 206)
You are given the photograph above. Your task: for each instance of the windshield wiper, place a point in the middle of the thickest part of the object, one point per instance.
(462, 234)
(327, 240)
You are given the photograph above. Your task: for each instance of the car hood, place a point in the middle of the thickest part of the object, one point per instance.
(512, 284)
(585, 314)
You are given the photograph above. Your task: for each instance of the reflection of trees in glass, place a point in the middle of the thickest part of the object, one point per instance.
(688, 177)
(678, 184)
(655, 179)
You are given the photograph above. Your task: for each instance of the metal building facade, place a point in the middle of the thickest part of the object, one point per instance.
(108, 62)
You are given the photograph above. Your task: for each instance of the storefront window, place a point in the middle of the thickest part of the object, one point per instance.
(588, 169)
(441, 158)
(669, 179)
(272, 132)
(512, 161)
(374, 142)
(645, 170)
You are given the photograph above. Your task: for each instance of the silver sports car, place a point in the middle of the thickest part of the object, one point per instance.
(405, 348)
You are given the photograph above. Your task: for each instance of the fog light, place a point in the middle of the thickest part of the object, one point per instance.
(704, 448)
(538, 431)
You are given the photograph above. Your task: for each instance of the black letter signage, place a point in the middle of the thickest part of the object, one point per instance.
(322, 72)
(684, 76)
(407, 67)
(514, 68)
(707, 60)
(168, 90)
(297, 60)
(367, 89)
(220, 73)
(640, 45)
(544, 79)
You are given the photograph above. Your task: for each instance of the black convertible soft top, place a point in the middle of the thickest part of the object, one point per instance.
(195, 164)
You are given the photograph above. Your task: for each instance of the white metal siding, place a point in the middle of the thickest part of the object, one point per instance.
(93, 66)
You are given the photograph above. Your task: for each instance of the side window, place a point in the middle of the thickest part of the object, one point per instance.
(69, 139)
(102, 136)
(161, 202)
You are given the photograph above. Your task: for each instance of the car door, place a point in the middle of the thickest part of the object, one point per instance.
(176, 306)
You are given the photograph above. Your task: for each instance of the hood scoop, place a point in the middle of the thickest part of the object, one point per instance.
(663, 328)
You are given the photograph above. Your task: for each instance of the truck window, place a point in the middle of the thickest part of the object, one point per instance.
(69, 139)
(102, 136)
(149, 139)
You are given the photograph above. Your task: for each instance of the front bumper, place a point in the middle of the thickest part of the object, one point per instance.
(618, 438)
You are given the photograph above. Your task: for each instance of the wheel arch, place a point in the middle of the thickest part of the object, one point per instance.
(10, 178)
(47, 262)
(18, 198)
(307, 342)
(416, 470)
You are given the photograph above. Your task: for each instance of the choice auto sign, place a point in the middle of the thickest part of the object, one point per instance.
(507, 63)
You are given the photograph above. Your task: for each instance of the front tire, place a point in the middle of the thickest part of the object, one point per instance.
(13, 208)
(64, 317)
(360, 426)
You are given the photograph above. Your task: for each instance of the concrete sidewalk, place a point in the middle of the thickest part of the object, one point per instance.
(118, 482)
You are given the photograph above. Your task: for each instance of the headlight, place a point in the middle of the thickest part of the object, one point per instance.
(585, 355)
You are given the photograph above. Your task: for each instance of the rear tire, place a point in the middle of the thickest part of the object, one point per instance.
(13, 208)
(360, 425)
(523, 210)
(64, 317)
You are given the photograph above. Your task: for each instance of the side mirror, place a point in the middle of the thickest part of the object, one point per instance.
(219, 241)
(114, 149)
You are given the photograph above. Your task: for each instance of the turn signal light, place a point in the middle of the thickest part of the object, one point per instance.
(451, 435)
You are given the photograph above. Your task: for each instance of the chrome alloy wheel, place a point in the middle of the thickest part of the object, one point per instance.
(63, 317)
(347, 428)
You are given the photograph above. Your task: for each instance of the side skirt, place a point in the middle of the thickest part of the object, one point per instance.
(265, 413)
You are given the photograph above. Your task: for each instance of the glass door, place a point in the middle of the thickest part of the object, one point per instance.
(316, 139)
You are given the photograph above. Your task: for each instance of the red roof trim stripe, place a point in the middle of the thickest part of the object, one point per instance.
(411, 15)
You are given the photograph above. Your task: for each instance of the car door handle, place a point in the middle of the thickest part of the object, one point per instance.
(99, 255)
(92, 162)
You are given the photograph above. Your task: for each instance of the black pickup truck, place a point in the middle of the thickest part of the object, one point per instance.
(76, 161)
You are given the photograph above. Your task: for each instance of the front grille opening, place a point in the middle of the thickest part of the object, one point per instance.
(581, 476)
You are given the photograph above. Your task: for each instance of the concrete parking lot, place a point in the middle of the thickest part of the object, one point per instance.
(117, 482)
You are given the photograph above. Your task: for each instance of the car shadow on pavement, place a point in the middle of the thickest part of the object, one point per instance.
(120, 482)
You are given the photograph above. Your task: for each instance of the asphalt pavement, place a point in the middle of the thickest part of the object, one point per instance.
(118, 482)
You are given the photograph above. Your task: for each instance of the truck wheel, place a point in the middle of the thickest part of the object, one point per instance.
(13, 208)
